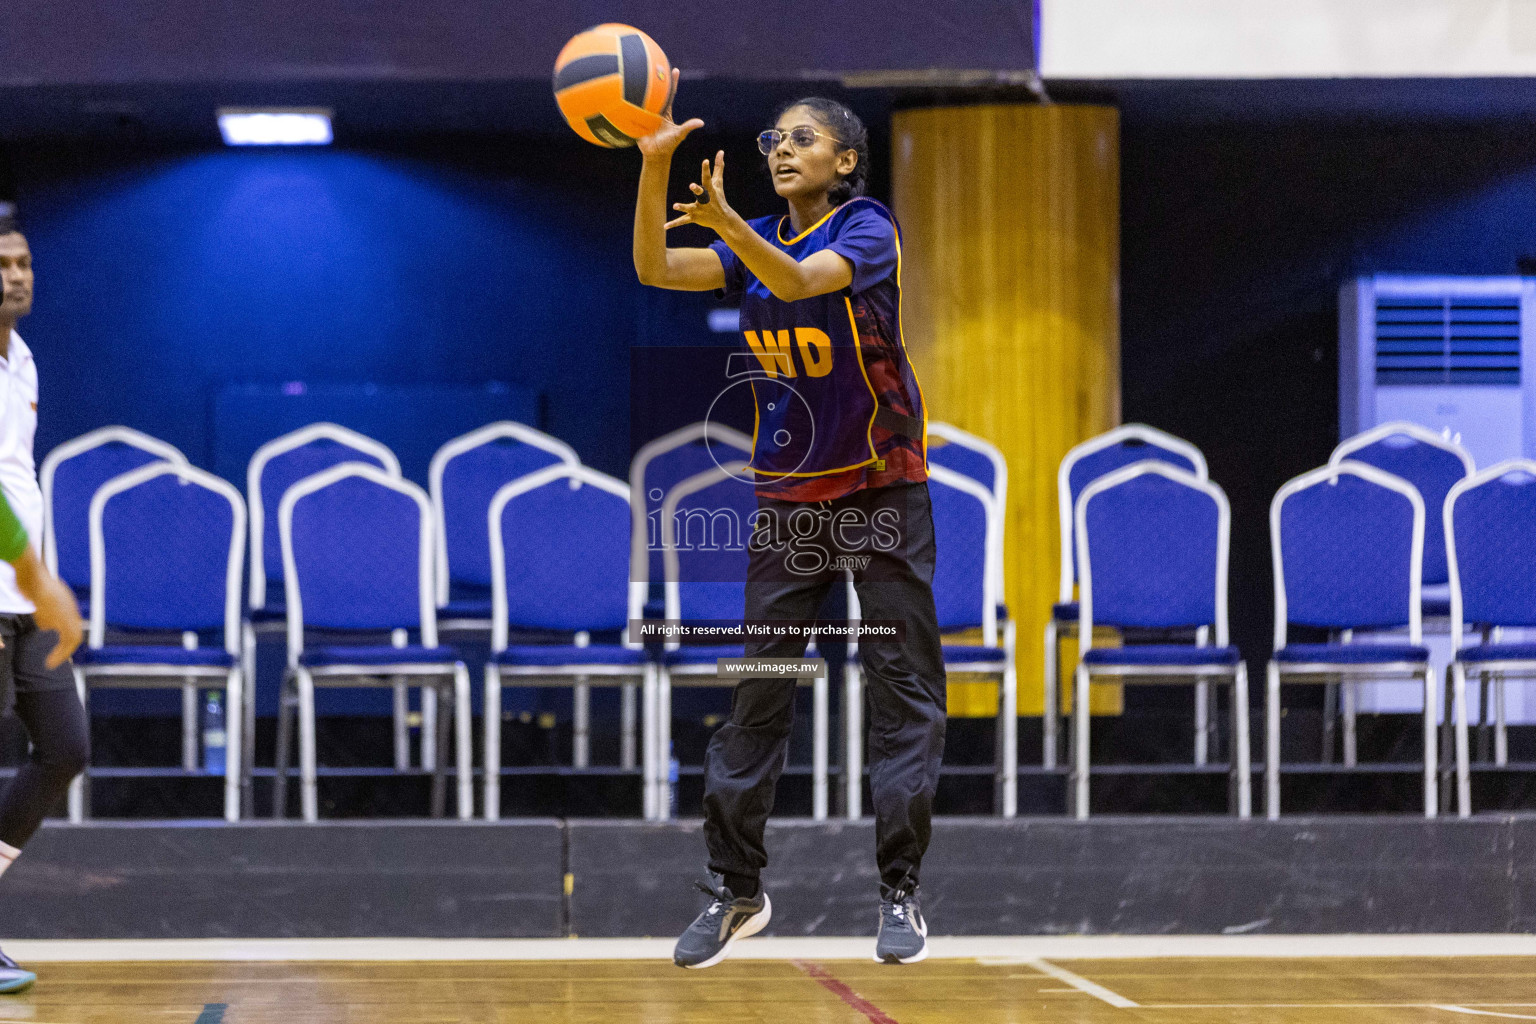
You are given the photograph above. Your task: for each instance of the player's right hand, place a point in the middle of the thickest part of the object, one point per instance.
(665, 140)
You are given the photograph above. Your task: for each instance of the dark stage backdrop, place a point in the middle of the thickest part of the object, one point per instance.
(1236, 235)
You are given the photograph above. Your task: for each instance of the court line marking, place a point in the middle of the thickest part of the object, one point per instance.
(1485, 1013)
(1081, 983)
(830, 982)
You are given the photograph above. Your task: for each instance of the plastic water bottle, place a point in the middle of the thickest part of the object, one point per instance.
(214, 737)
(672, 781)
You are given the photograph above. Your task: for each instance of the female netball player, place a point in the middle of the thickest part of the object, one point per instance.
(844, 472)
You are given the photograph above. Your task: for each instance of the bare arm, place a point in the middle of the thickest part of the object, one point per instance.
(787, 278)
(690, 269)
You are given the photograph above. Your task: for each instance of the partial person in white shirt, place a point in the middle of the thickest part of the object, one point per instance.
(34, 683)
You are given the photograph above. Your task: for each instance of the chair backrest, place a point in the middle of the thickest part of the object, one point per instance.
(1152, 550)
(1430, 462)
(965, 588)
(559, 548)
(659, 466)
(1490, 527)
(70, 476)
(357, 553)
(1347, 543)
(983, 462)
(706, 522)
(278, 465)
(464, 476)
(167, 547)
(1103, 454)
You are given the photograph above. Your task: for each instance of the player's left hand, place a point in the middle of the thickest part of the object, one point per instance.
(709, 208)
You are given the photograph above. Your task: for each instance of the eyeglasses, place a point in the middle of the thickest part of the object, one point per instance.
(800, 138)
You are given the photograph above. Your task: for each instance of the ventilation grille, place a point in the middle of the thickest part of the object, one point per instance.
(1466, 340)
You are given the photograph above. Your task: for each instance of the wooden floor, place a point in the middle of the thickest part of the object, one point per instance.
(991, 991)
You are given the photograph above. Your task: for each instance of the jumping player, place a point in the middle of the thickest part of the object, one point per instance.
(844, 471)
(39, 618)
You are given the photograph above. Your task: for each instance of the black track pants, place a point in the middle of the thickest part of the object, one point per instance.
(905, 684)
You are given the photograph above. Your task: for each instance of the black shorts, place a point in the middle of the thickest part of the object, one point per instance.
(22, 668)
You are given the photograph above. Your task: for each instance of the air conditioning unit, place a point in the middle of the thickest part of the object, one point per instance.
(1455, 354)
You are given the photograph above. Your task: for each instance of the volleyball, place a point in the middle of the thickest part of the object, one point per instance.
(612, 83)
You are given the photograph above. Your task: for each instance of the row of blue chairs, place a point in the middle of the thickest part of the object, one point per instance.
(165, 544)
(1353, 551)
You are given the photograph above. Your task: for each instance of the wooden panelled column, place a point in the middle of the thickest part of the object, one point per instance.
(1010, 278)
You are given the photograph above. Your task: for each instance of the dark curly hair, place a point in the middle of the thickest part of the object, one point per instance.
(844, 126)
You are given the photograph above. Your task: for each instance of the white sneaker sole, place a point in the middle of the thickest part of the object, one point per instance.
(917, 957)
(758, 922)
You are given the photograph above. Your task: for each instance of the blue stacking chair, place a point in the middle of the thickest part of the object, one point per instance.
(1490, 529)
(69, 477)
(1348, 545)
(706, 521)
(357, 558)
(560, 561)
(967, 592)
(276, 466)
(464, 476)
(166, 545)
(1082, 465)
(982, 461)
(657, 467)
(1152, 548)
(1434, 465)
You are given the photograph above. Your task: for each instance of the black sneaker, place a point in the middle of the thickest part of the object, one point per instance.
(725, 920)
(13, 977)
(903, 937)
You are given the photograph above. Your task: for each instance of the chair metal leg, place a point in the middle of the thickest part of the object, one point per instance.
(463, 722)
(79, 798)
(853, 740)
(1202, 723)
(1272, 742)
(1500, 726)
(438, 802)
(1349, 694)
(1080, 721)
(819, 742)
(1049, 723)
(1009, 713)
(1463, 768)
(430, 736)
(1242, 756)
(402, 708)
(287, 707)
(1431, 745)
(666, 790)
(650, 756)
(189, 726)
(309, 792)
(492, 753)
(581, 723)
(1445, 776)
(627, 726)
(234, 759)
(248, 713)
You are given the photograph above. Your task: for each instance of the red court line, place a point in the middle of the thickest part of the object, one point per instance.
(829, 982)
